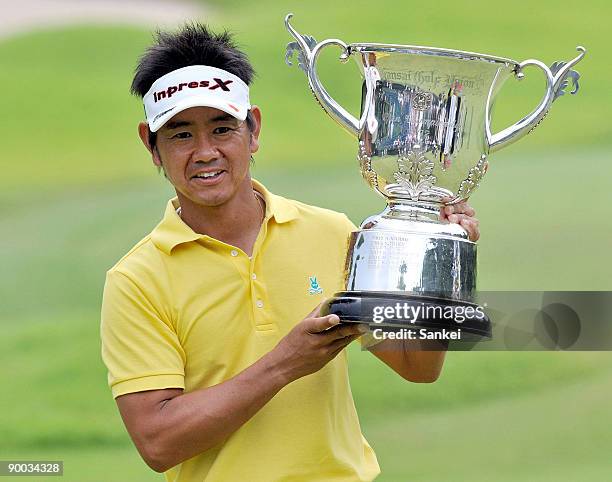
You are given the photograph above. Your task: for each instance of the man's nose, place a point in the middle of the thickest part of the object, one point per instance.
(205, 149)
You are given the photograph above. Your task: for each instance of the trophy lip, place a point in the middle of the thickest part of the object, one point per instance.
(436, 51)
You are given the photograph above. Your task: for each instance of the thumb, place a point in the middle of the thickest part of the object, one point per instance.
(317, 325)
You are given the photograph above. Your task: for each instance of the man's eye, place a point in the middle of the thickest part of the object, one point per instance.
(181, 135)
(222, 130)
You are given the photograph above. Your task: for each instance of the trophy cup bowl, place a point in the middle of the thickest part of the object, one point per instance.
(424, 136)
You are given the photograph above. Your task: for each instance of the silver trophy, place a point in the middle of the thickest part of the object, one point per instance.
(424, 137)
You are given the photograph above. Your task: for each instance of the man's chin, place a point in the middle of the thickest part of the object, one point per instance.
(208, 199)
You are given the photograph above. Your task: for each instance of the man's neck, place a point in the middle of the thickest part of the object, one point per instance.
(236, 222)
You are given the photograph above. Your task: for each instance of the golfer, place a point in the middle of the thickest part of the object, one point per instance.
(220, 363)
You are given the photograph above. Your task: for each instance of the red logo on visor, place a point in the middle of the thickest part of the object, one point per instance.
(173, 89)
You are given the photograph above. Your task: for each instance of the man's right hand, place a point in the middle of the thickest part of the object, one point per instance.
(312, 343)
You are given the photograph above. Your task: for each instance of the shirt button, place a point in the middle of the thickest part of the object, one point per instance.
(253, 276)
(259, 304)
(234, 253)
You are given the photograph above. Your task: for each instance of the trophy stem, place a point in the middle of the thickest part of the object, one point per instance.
(413, 210)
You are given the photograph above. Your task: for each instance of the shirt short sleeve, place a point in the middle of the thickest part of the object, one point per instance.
(140, 348)
(348, 224)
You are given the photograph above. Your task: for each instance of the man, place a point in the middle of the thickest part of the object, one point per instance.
(215, 376)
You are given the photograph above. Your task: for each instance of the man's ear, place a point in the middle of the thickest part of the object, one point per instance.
(143, 132)
(256, 113)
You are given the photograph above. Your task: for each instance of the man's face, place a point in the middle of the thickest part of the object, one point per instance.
(205, 154)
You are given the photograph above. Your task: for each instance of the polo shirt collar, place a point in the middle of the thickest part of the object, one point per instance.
(281, 209)
(172, 230)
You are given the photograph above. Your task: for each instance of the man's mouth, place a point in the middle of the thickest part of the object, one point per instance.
(209, 175)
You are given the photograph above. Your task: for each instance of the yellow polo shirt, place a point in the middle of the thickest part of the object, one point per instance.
(184, 310)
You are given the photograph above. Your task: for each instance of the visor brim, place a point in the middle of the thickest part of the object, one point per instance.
(231, 108)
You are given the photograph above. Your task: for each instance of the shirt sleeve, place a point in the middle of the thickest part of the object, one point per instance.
(140, 348)
(349, 225)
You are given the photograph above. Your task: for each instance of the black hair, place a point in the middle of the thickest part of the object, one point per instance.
(193, 44)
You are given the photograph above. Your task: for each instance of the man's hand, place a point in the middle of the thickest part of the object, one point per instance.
(312, 343)
(463, 214)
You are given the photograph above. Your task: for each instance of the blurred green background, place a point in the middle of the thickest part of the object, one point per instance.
(77, 190)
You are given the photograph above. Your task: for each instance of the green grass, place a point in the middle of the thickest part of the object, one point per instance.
(57, 253)
(69, 118)
(90, 464)
(77, 190)
(557, 434)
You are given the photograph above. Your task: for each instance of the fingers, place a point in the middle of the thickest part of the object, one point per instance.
(345, 330)
(443, 215)
(461, 208)
(471, 225)
(449, 212)
(463, 214)
(339, 345)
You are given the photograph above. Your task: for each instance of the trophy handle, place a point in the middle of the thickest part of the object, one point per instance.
(556, 81)
(308, 52)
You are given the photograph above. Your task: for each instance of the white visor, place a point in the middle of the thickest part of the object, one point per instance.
(195, 86)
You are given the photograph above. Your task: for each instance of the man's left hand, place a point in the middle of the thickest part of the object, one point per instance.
(463, 214)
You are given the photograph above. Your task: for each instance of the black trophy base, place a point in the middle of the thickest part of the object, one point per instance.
(397, 311)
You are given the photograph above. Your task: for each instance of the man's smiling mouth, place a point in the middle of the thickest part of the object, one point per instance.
(209, 174)
(209, 177)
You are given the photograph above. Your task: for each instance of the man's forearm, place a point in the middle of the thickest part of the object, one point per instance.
(413, 360)
(194, 422)
(425, 361)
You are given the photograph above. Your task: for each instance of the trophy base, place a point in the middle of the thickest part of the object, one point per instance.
(396, 311)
